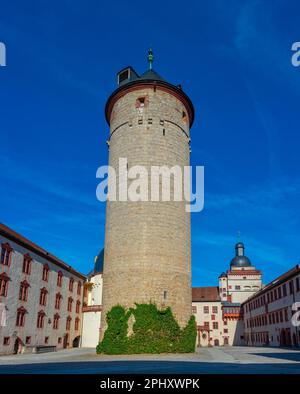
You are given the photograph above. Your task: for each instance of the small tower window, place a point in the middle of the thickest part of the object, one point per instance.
(184, 117)
(165, 295)
(164, 132)
(161, 122)
(123, 75)
(149, 120)
(140, 121)
(141, 101)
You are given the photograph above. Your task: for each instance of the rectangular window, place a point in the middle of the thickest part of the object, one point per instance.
(279, 292)
(284, 292)
(194, 309)
(40, 320)
(237, 287)
(20, 321)
(58, 298)
(6, 252)
(28, 340)
(215, 309)
(71, 284)
(46, 340)
(206, 324)
(43, 297)
(123, 76)
(59, 279)
(225, 330)
(59, 341)
(70, 302)
(68, 323)
(206, 309)
(298, 284)
(6, 341)
(291, 285)
(215, 325)
(56, 321)
(26, 264)
(45, 275)
(4, 279)
(23, 292)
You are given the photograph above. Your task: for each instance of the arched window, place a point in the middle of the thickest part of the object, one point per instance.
(71, 284)
(56, 321)
(58, 298)
(26, 264)
(46, 270)
(40, 319)
(78, 306)
(59, 278)
(20, 321)
(23, 293)
(70, 302)
(43, 296)
(77, 321)
(4, 279)
(6, 251)
(68, 324)
(79, 288)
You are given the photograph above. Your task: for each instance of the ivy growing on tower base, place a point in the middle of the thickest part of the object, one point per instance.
(146, 329)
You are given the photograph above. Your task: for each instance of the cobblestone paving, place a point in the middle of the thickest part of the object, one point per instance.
(205, 360)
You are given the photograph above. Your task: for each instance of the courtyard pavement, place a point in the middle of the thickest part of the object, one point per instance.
(249, 360)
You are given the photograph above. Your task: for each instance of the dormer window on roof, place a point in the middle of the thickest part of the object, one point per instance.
(123, 75)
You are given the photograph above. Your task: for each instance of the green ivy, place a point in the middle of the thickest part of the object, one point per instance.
(154, 331)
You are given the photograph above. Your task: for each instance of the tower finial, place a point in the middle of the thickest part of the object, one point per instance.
(150, 58)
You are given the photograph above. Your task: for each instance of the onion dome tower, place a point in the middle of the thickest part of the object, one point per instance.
(240, 260)
(147, 243)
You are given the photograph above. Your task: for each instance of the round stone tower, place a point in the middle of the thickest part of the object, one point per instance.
(147, 243)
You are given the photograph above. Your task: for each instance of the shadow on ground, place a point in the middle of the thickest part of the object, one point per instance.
(294, 356)
(147, 367)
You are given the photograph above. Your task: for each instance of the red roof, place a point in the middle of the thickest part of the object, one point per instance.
(19, 239)
(205, 294)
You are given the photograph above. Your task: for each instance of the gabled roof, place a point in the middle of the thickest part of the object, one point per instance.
(31, 246)
(205, 294)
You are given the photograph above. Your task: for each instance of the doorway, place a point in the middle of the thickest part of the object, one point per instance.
(18, 346)
(66, 340)
(76, 341)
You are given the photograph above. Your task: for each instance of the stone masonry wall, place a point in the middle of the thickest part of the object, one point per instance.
(147, 244)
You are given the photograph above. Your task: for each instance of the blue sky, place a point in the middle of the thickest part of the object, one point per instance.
(233, 59)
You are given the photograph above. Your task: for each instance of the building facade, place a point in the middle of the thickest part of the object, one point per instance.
(92, 305)
(40, 297)
(218, 310)
(148, 243)
(242, 280)
(271, 316)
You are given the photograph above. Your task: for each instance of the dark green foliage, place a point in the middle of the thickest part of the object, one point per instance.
(153, 331)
